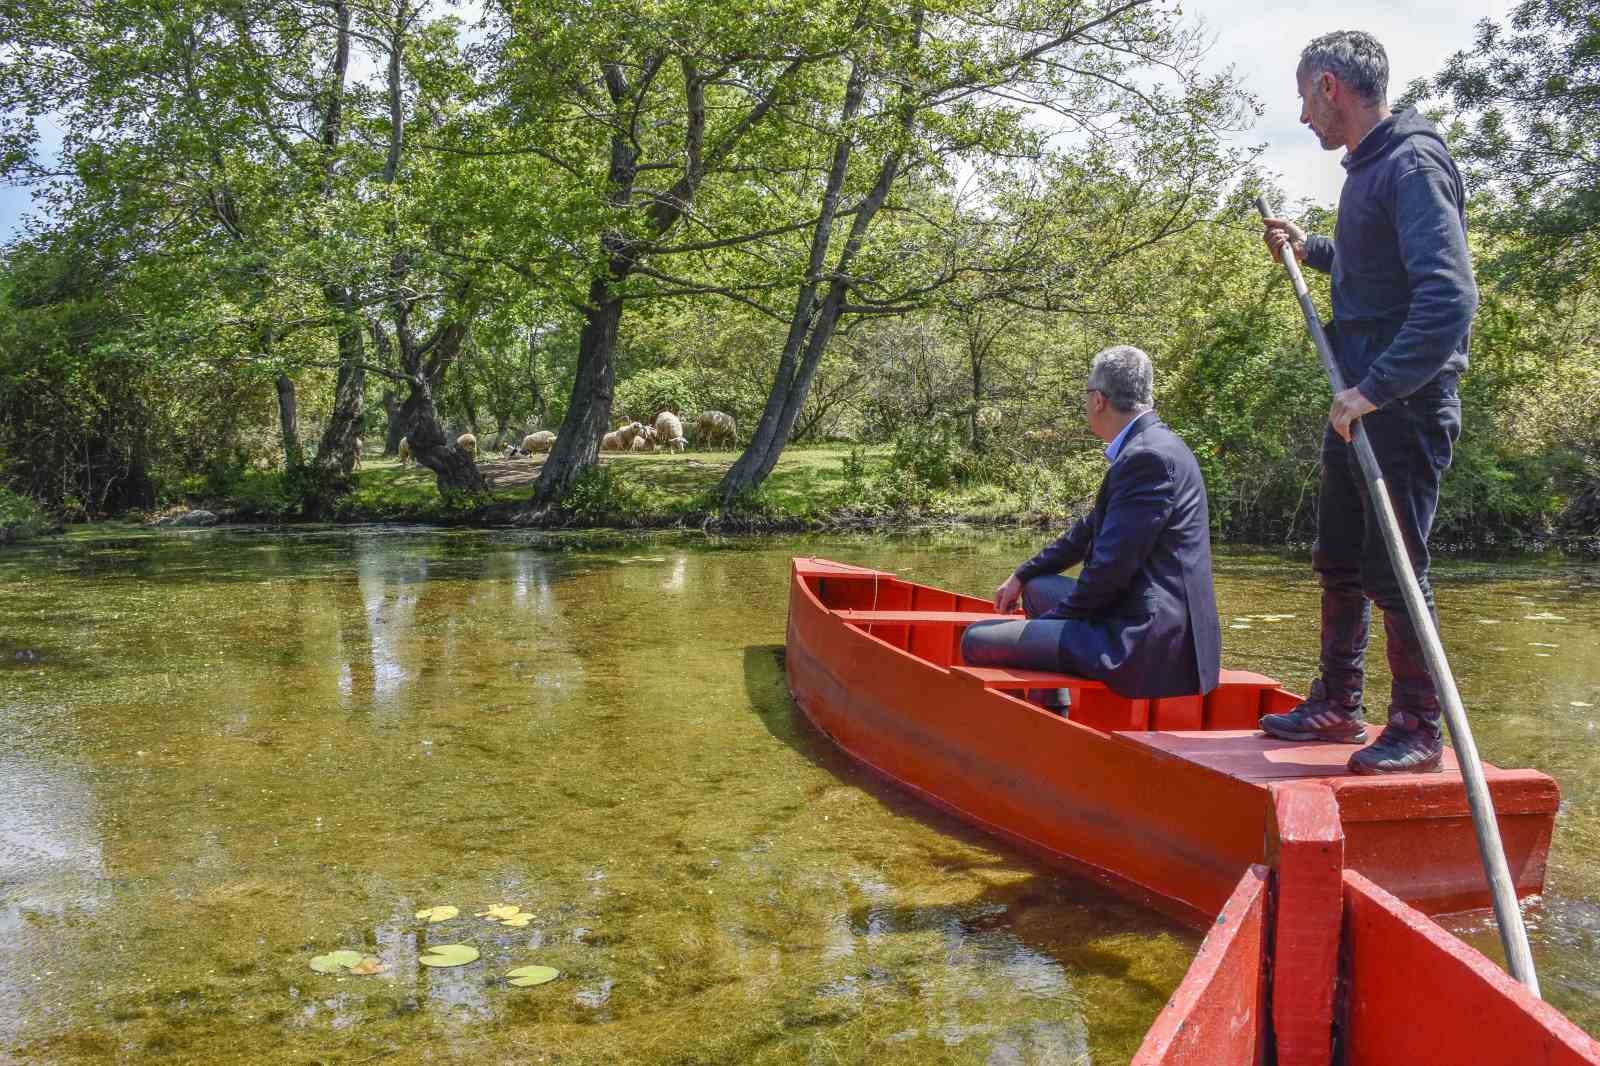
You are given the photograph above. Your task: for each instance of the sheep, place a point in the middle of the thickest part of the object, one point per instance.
(356, 463)
(469, 444)
(628, 432)
(669, 431)
(404, 451)
(639, 444)
(541, 441)
(611, 442)
(714, 426)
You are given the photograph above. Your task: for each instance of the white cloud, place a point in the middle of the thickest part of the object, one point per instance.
(1263, 41)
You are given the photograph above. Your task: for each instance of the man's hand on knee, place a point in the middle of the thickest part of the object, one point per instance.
(1007, 595)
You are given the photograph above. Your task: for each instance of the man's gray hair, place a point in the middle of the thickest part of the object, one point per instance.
(1125, 377)
(1354, 57)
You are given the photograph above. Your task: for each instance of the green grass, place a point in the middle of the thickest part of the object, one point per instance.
(811, 486)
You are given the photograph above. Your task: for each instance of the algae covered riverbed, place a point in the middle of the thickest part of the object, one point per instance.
(226, 753)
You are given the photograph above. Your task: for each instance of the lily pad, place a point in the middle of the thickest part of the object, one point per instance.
(438, 914)
(518, 921)
(449, 955)
(334, 961)
(371, 964)
(500, 911)
(528, 976)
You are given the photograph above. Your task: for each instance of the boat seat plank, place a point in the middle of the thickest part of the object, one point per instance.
(925, 618)
(1011, 677)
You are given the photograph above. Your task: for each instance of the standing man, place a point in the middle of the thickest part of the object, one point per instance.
(1142, 615)
(1403, 299)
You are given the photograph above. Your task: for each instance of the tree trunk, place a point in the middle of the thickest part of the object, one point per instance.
(758, 458)
(589, 410)
(336, 455)
(977, 398)
(395, 429)
(289, 420)
(431, 447)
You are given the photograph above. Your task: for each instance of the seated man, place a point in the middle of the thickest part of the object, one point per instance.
(1142, 615)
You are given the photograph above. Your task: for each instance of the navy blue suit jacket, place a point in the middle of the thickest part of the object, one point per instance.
(1143, 614)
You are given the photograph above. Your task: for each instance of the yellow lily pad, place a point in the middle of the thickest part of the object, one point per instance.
(368, 966)
(449, 955)
(528, 976)
(518, 921)
(438, 914)
(500, 911)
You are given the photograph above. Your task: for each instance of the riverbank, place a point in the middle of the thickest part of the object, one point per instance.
(813, 489)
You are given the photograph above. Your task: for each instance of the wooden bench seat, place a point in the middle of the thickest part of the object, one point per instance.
(923, 618)
(1238, 701)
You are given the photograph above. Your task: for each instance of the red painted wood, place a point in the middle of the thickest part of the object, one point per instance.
(1412, 833)
(1005, 677)
(907, 616)
(1419, 995)
(1172, 817)
(1305, 847)
(1218, 1014)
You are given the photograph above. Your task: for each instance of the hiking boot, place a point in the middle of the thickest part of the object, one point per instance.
(1321, 717)
(1409, 744)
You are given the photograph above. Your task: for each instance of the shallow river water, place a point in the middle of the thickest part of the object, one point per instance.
(223, 753)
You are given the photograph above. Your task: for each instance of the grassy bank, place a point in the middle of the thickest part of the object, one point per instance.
(825, 486)
(819, 487)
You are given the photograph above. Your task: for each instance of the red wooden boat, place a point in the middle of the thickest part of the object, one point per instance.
(1183, 804)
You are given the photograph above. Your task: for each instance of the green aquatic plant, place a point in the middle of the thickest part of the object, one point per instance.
(334, 961)
(529, 976)
(442, 955)
(438, 914)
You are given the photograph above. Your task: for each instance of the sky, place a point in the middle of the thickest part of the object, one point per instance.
(1262, 41)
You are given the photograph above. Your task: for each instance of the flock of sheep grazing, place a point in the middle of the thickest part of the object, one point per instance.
(712, 429)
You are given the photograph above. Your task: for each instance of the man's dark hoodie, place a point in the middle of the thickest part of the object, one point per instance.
(1403, 294)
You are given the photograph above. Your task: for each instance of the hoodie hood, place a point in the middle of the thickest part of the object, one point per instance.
(1407, 122)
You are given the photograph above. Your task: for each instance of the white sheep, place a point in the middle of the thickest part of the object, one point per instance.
(541, 441)
(669, 431)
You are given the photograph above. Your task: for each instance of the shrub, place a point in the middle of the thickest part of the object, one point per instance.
(21, 518)
(649, 392)
(599, 495)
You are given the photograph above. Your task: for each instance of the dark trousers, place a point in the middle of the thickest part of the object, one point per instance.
(1031, 644)
(1413, 440)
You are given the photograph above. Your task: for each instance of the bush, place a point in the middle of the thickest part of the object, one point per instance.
(21, 518)
(927, 452)
(600, 496)
(649, 392)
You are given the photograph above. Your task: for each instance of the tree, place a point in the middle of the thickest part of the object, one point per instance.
(629, 115)
(1526, 104)
(927, 89)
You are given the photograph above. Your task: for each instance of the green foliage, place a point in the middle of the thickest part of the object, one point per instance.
(1525, 101)
(21, 518)
(649, 392)
(600, 496)
(1251, 405)
(926, 453)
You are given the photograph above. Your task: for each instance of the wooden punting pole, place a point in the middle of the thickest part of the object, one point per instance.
(1513, 934)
